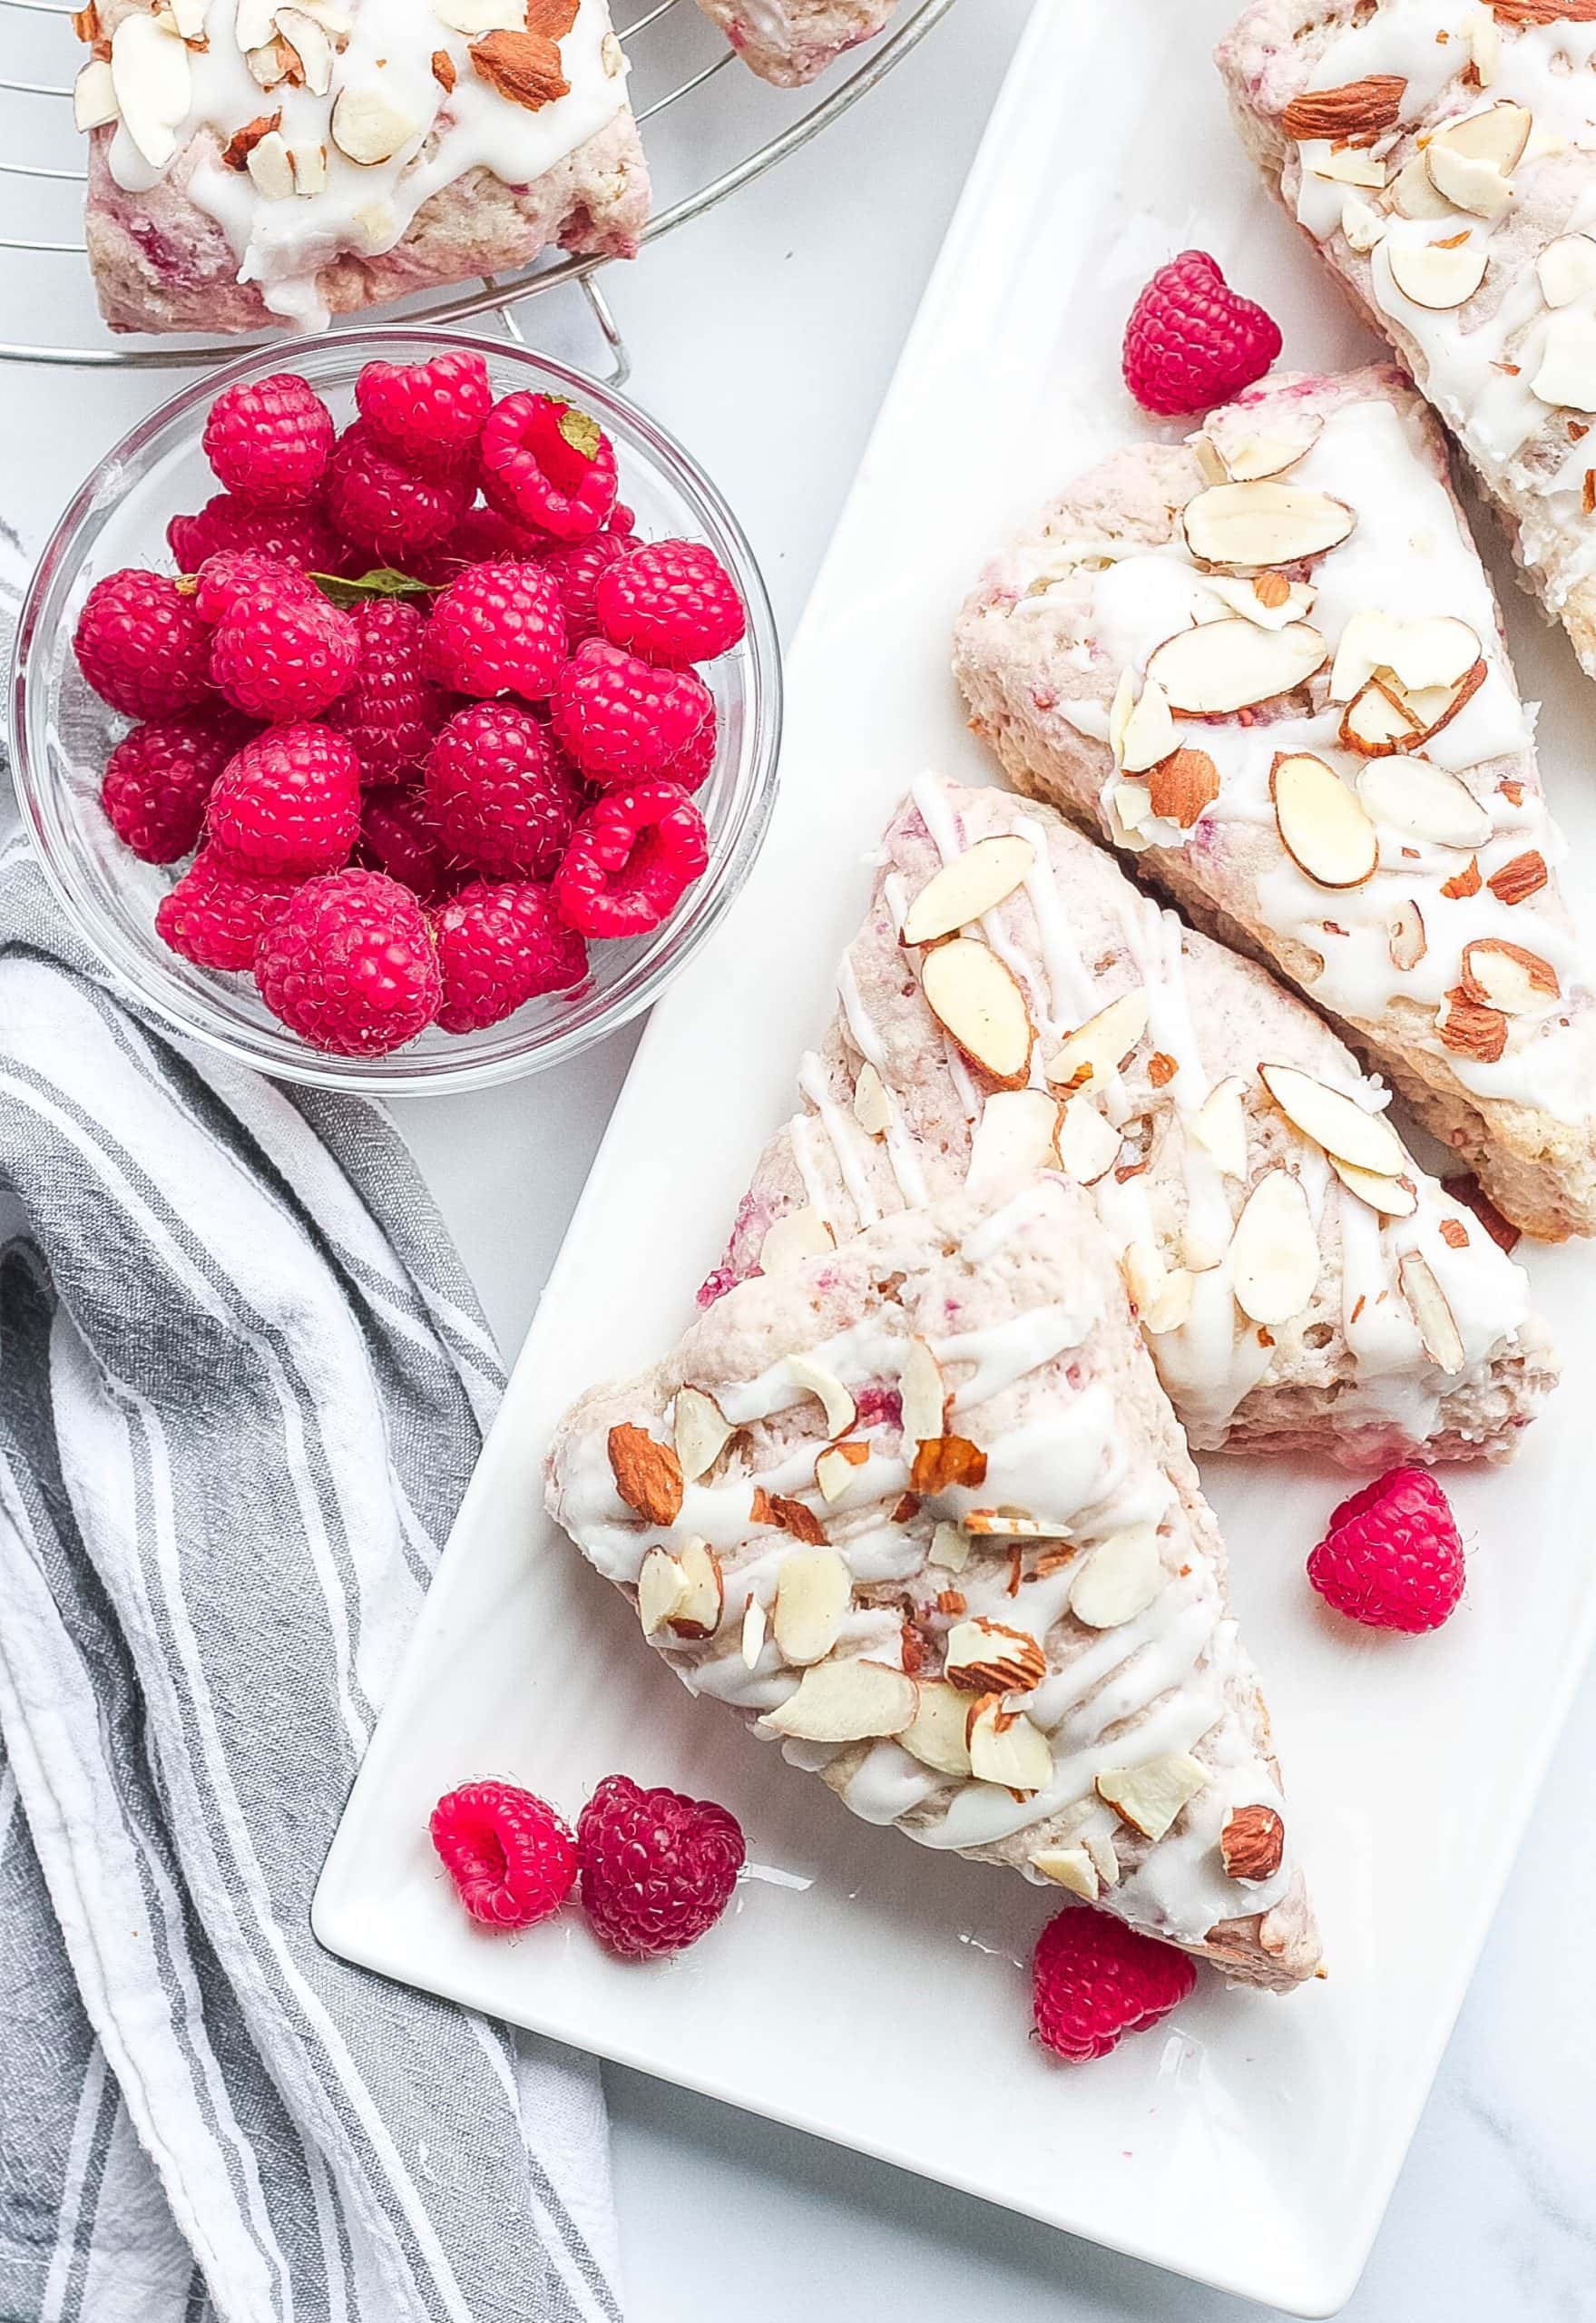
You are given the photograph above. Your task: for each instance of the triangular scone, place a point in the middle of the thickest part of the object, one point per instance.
(920, 1507)
(790, 41)
(1288, 696)
(1369, 1336)
(1438, 152)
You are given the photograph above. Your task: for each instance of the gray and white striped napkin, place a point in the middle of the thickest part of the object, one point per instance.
(242, 1383)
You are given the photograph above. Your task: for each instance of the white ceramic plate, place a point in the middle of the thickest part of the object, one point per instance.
(863, 1989)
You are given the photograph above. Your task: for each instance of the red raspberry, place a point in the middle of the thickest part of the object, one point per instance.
(498, 629)
(428, 414)
(290, 801)
(389, 711)
(671, 602)
(270, 440)
(621, 519)
(299, 536)
(482, 536)
(1392, 1558)
(387, 508)
(500, 944)
(141, 645)
(547, 464)
(657, 1869)
(158, 777)
(632, 858)
(283, 657)
(396, 836)
(621, 719)
(351, 966)
(512, 1858)
(1094, 1980)
(1191, 341)
(690, 766)
(575, 569)
(235, 575)
(216, 915)
(500, 794)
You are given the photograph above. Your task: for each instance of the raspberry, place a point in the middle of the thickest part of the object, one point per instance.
(482, 536)
(351, 966)
(216, 915)
(621, 519)
(690, 766)
(428, 414)
(621, 719)
(158, 777)
(1391, 1557)
(290, 801)
(270, 440)
(500, 794)
(1094, 1980)
(547, 464)
(499, 946)
(575, 569)
(1191, 341)
(512, 1858)
(283, 657)
(141, 645)
(387, 508)
(632, 856)
(396, 836)
(235, 575)
(299, 536)
(389, 711)
(657, 1869)
(671, 601)
(498, 629)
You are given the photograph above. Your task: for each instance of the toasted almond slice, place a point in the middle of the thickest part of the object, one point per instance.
(1089, 1144)
(950, 1547)
(835, 1468)
(1219, 666)
(1566, 269)
(153, 81)
(94, 96)
(698, 1614)
(662, 1589)
(872, 1105)
(270, 167)
(1119, 1580)
(1497, 135)
(1322, 827)
(1006, 1748)
(814, 1590)
(974, 883)
(800, 1234)
(935, 1735)
(1219, 1126)
(648, 1475)
(1007, 1525)
(1334, 1120)
(1016, 1136)
(984, 1657)
(1275, 609)
(1070, 1867)
(834, 1396)
(1349, 165)
(846, 1701)
(1100, 1849)
(1437, 705)
(1435, 276)
(945, 1464)
(1423, 801)
(1378, 720)
(1253, 459)
(924, 1393)
(1149, 1797)
(1508, 978)
(254, 23)
(310, 45)
(1275, 1255)
(1210, 460)
(1413, 194)
(1240, 526)
(1095, 1052)
(1391, 1197)
(1162, 1298)
(1477, 186)
(1567, 373)
(755, 1622)
(369, 126)
(1483, 36)
(975, 999)
(1182, 787)
(1363, 226)
(1437, 1325)
(701, 1431)
(310, 161)
(1436, 650)
(1120, 711)
(1408, 942)
(1150, 732)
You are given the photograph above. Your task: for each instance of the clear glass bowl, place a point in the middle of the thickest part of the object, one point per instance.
(61, 732)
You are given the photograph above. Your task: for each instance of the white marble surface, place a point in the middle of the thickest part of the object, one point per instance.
(764, 335)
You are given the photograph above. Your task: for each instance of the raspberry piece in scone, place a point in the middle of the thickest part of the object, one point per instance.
(290, 801)
(141, 645)
(1094, 1980)
(512, 1858)
(501, 943)
(632, 856)
(350, 965)
(270, 440)
(547, 464)
(658, 1868)
(500, 793)
(217, 913)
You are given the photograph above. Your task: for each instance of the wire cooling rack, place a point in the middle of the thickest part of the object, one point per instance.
(699, 153)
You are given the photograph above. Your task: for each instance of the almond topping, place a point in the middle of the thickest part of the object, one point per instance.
(236, 152)
(1526, 876)
(1423, 801)
(814, 1590)
(1334, 1120)
(1436, 275)
(1183, 785)
(1252, 1845)
(1006, 1748)
(1118, 1579)
(974, 998)
(872, 1105)
(1378, 721)
(442, 69)
(1407, 942)
(94, 96)
(969, 886)
(834, 1470)
(1462, 884)
(698, 1615)
(1437, 1325)
(1322, 827)
(1271, 588)
(755, 1622)
(661, 1589)
(846, 1701)
(794, 1516)
(701, 1432)
(985, 1658)
(923, 1394)
(1238, 526)
(648, 1476)
(1470, 1028)
(1507, 977)
(368, 127)
(1390, 1197)
(827, 1388)
(800, 1234)
(1161, 1069)
(1070, 1867)
(1149, 1797)
(523, 67)
(1275, 1254)
(1095, 1052)
(942, 1461)
(1016, 1136)
(1454, 1233)
(1219, 1127)
(1221, 666)
(1088, 1144)
(1356, 109)
(935, 1735)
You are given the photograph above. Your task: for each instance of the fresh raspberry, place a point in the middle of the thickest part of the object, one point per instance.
(498, 629)
(387, 508)
(389, 709)
(235, 575)
(428, 414)
(621, 519)
(1094, 1980)
(482, 536)
(158, 777)
(512, 1858)
(1392, 1558)
(396, 836)
(1191, 341)
(290, 801)
(690, 766)
(282, 657)
(141, 645)
(621, 719)
(499, 945)
(547, 464)
(671, 601)
(216, 915)
(270, 440)
(632, 856)
(299, 536)
(500, 793)
(575, 568)
(657, 1869)
(351, 966)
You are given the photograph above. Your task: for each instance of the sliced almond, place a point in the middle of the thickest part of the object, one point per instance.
(1095, 1052)
(309, 165)
(1566, 269)
(1007, 1525)
(1149, 1797)
(846, 1701)
(984, 1657)
(648, 1475)
(1411, 192)
(1497, 135)
(369, 126)
(153, 81)
(1437, 705)
(1219, 1126)
(1275, 1256)
(1363, 226)
(1221, 666)
(1471, 1027)
(1334, 1120)
(935, 1735)
(824, 1385)
(1509, 977)
(1425, 802)
(1070, 1867)
(1391, 1197)
(1006, 1748)
(1468, 183)
(1100, 1849)
(311, 45)
(755, 1622)
(973, 884)
(1253, 459)
(1408, 942)
(1322, 827)
(872, 1105)
(1436, 650)
(950, 1548)
(1567, 372)
(698, 1614)
(1089, 1144)
(923, 1392)
(1378, 721)
(701, 1431)
(1119, 1580)
(1255, 598)
(975, 999)
(662, 1589)
(800, 1234)
(1349, 165)
(1210, 461)
(94, 96)
(1016, 1136)
(254, 23)
(1434, 275)
(270, 167)
(834, 1469)
(946, 1464)
(270, 65)
(1437, 1325)
(1483, 36)
(1150, 732)
(1237, 527)
(1183, 786)
(1526, 876)
(814, 1590)
(522, 67)
(1161, 1298)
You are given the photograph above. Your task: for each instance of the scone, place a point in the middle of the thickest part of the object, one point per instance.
(919, 1508)
(1438, 152)
(789, 40)
(1268, 662)
(1296, 1295)
(253, 161)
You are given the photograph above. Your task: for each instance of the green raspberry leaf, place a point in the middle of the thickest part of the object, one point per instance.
(382, 581)
(581, 431)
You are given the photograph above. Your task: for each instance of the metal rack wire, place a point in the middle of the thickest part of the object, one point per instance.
(676, 57)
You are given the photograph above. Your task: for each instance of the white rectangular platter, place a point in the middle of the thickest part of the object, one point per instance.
(862, 1989)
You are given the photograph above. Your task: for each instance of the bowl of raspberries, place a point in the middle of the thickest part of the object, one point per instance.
(401, 712)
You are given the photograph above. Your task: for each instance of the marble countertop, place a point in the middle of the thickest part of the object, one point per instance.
(764, 335)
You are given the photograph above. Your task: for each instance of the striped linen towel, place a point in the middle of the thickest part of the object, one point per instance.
(242, 1383)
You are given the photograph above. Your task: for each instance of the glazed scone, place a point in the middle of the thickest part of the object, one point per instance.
(1438, 154)
(286, 163)
(919, 1508)
(790, 41)
(1290, 697)
(1385, 1337)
